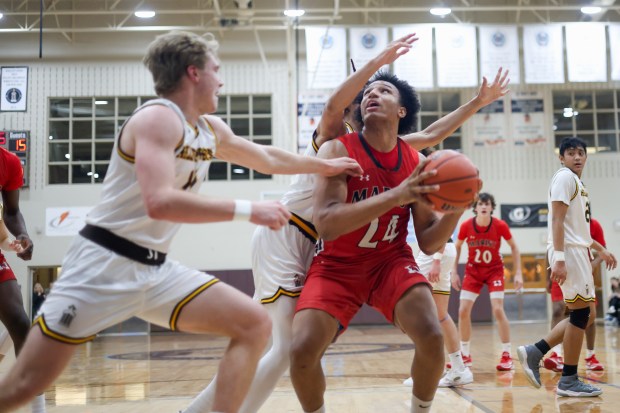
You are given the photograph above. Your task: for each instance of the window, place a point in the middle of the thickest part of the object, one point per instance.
(249, 117)
(436, 105)
(82, 133)
(592, 116)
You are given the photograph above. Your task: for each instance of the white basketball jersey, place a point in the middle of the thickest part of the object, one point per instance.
(568, 188)
(298, 199)
(122, 210)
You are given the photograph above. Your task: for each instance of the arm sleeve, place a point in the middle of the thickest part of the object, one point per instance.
(563, 187)
(505, 230)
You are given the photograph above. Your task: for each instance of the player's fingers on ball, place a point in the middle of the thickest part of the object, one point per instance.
(425, 189)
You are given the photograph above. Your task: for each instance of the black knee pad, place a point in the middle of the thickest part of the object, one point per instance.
(579, 318)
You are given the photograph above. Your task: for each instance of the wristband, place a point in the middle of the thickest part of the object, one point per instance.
(243, 210)
(558, 256)
(437, 256)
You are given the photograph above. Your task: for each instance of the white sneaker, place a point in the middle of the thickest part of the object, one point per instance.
(408, 382)
(455, 378)
(5, 342)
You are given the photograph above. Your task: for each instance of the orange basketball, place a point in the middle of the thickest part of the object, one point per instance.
(458, 180)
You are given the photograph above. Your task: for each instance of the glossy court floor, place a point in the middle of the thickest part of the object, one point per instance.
(365, 371)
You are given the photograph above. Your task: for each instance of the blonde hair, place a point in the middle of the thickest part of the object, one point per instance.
(169, 55)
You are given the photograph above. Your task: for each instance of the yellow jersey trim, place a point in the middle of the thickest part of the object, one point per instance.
(579, 297)
(304, 226)
(40, 321)
(281, 291)
(576, 190)
(174, 318)
(348, 127)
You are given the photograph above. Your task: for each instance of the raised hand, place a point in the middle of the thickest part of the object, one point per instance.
(491, 92)
(397, 48)
(344, 165)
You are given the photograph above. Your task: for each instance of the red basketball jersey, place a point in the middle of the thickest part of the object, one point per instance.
(11, 171)
(484, 242)
(388, 232)
(596, 232)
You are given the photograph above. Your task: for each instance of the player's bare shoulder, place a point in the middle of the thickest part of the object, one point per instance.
(156, 123)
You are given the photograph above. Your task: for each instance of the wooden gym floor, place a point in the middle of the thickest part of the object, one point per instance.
(365, 371)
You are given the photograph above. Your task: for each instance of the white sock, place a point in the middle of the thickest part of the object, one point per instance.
(319, 410)
(589, 353)
(420, 406)
(506, 347)
(557, 349)
(456, 361)
(38, 404)
(465, 348)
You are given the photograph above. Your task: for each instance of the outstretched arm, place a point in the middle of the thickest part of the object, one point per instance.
(444, 127)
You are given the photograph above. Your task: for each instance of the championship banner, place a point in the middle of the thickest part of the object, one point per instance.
(499, 47)
(614, 47)
(528, 119)
(489, 125)
(525, 215)
(586, 52)
(309, 111)
(65, 222)
(543, 53)
(457, 57)
(326, 57)
(416, 67)
(365, 44)
(13, 89)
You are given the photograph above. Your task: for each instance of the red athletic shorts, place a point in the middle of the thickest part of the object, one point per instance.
(556, 292)
(476, 277)
(340, 289)
(6, 273)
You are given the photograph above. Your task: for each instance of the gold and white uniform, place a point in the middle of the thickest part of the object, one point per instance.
(280, 259)
(568, 188)
(446, 264)
(99, 287)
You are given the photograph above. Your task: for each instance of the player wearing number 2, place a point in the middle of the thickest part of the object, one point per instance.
(483, 235)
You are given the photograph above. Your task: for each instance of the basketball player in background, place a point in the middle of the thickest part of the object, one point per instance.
(555, 361)
(117, 267)
(12, 313)
(280, 259)
(568, 252)
(483, 235)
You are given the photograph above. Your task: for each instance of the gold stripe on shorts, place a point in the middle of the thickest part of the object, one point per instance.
(441, 292)
(40, 321)
(579, 297)
(304, 227)
(174, 318)
(281, 291)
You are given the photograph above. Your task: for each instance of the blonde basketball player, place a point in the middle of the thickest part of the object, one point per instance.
(117, 267)
(568, 252)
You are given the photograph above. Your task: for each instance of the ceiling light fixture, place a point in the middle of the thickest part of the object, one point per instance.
(591, 9)
(145, 14)
(101, 102)
(294, 12)
(440, 11)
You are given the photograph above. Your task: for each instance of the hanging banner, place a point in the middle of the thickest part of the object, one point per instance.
(586, 52)
(365, 44)
(528, 119)
(416, 67)
(499, 47)
(457, 57)
(525, 215)
(326, 57)
(309, 110)
(13, 89)
(489, 125)
(614, 47)
(543, 53)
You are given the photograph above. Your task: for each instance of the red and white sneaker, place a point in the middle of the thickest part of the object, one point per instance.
(554, 362)
(593, 364)
(505, 363)
(466, 361)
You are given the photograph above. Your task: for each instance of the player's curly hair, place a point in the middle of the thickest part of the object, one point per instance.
(408, 98)
(485, 197)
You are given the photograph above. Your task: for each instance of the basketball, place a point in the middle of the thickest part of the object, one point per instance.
(458, 180)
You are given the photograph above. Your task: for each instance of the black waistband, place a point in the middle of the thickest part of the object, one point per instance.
(122, 246)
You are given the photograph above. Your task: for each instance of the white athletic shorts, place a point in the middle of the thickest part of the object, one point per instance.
(447, 264)
(579, 284)
(99, 288)
(280, 261)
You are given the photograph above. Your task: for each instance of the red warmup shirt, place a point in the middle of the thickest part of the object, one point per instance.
(382, 172)
(11, 171)
(484, 242)
(596, 232)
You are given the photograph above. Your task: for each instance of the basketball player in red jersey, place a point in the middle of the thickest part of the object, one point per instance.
(363, 255)
(483, 235)
(555, 361)
(12, 312)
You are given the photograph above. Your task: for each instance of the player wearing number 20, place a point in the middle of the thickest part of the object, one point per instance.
(483, 235)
